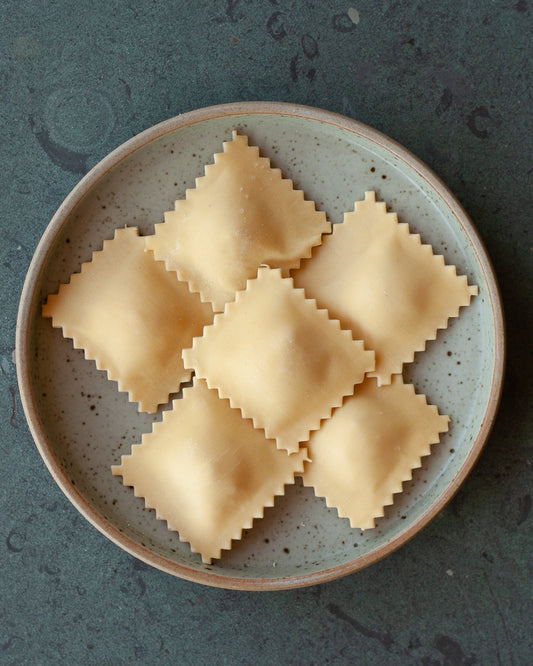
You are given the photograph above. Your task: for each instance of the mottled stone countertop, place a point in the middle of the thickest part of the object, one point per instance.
(449, 80)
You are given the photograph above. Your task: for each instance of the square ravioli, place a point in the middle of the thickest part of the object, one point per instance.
(279, 359)
(207, 471)
(378, 279)
(132, 317)
(362, 455)
(240, 215)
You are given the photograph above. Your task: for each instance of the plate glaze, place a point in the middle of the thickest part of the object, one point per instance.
(82, 424)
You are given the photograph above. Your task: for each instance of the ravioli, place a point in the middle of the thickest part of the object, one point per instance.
(363, 454)
(132, 317)
(279, 359)
(240, 215)
(383, 284)
(207, 471)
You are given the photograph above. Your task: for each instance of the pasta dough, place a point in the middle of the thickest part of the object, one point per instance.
(207, 471)
(369, 447)
(132, 317)
(384, 285)
(241, 214)
(284, 363)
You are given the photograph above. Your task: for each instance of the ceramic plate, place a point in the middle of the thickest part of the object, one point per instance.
(82, 424)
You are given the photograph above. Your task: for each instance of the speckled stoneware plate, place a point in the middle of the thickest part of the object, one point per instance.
(82, 424)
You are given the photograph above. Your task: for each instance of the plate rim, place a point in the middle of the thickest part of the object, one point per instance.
(46, 242)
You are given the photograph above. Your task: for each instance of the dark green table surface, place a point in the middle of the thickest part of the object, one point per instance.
(450, 80)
